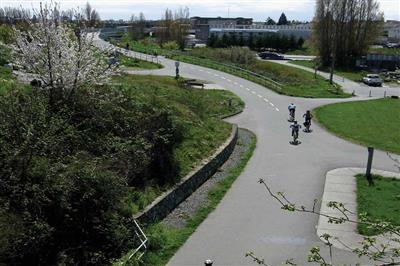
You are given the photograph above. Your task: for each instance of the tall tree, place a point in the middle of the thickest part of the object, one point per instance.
(270, 21)
(343, 30)
(282, 20)
(181, 26)
(91, 16)
(137, 26)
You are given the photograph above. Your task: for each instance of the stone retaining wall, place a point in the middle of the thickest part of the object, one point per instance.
(168, 201)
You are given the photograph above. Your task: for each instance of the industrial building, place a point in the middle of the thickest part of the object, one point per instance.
(244, 27)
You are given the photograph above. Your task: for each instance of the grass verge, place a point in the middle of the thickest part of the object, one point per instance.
(380, 202)
(165, 241)
(351, 74)
(372, 123)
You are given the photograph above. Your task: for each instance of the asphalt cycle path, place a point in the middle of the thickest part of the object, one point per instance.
(247, 219)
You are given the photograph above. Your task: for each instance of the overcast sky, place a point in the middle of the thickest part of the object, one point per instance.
(257, 9)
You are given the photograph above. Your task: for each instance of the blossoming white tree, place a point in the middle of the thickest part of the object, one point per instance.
(63, 59)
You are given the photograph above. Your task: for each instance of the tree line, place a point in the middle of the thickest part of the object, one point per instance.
(88, 16)
(173, 27)
(275, 41)
(344, 30)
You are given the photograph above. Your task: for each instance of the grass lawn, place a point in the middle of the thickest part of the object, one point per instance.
(164, 241)
(134, 63)
(388, 51)
(196, 111)
(373, 123)
(379, 202)
(298, 82)
(354, 75)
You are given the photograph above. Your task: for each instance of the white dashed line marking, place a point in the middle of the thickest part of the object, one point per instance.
(277, 109)
(259, 96)
(208, 72)
(201, 70)
(266, 100)
(229, 80)
(235, 83)
(247, 89)
(216, 75)
(272, 104)
(253, 92)
(241, 86)
(223, 77)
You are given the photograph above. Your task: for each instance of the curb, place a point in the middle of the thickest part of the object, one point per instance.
(233, 114)
(168, 201)
(341, 186)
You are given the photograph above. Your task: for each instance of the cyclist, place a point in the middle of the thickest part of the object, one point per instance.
(307, 117)
(295, 130)
(292, 111)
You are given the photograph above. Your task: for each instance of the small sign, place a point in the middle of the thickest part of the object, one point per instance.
(177, 64)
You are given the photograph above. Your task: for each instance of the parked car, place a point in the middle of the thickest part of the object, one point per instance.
(372, 80)
(391, 45)
(271, 55)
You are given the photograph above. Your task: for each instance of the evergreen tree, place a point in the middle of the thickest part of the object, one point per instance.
(233, 40)
(292, 43)
(282, 20)
(212, 40)
(300, 42)
(270, 21)
(241, 41)
(225, 40)
(250, 41)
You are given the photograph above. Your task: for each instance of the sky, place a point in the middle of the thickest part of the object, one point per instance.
(260, 10)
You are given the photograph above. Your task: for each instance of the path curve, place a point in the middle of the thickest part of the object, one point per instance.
(247, 219)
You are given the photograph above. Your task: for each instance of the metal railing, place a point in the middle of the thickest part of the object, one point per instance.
(137, 251)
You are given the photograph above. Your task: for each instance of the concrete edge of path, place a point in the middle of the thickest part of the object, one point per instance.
(341, 186)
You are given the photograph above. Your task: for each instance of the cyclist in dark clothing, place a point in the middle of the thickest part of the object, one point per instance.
(307, 117)
(295, 131)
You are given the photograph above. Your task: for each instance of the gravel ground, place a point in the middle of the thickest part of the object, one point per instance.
(178, 217)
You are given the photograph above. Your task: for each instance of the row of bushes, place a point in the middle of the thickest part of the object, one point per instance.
(279, 42)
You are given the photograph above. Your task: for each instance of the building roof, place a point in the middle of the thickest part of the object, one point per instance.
(221, 18)
(243, 30)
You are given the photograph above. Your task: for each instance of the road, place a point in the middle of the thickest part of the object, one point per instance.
(247, 219)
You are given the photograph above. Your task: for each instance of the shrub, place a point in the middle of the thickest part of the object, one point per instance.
(171, 45)
(65, 174)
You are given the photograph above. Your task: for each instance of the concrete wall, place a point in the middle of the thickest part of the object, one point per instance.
(168, 201)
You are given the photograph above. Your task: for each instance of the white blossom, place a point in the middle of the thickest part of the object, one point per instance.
(63, 59)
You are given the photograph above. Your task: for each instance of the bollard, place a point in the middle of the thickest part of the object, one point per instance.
(384, 94)
(369, 165)
(369, 93)
(230, 102)
(353, 93)
(208, 262)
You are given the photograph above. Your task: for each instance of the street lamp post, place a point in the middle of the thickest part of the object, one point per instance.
(332, 68)
(177, 69)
